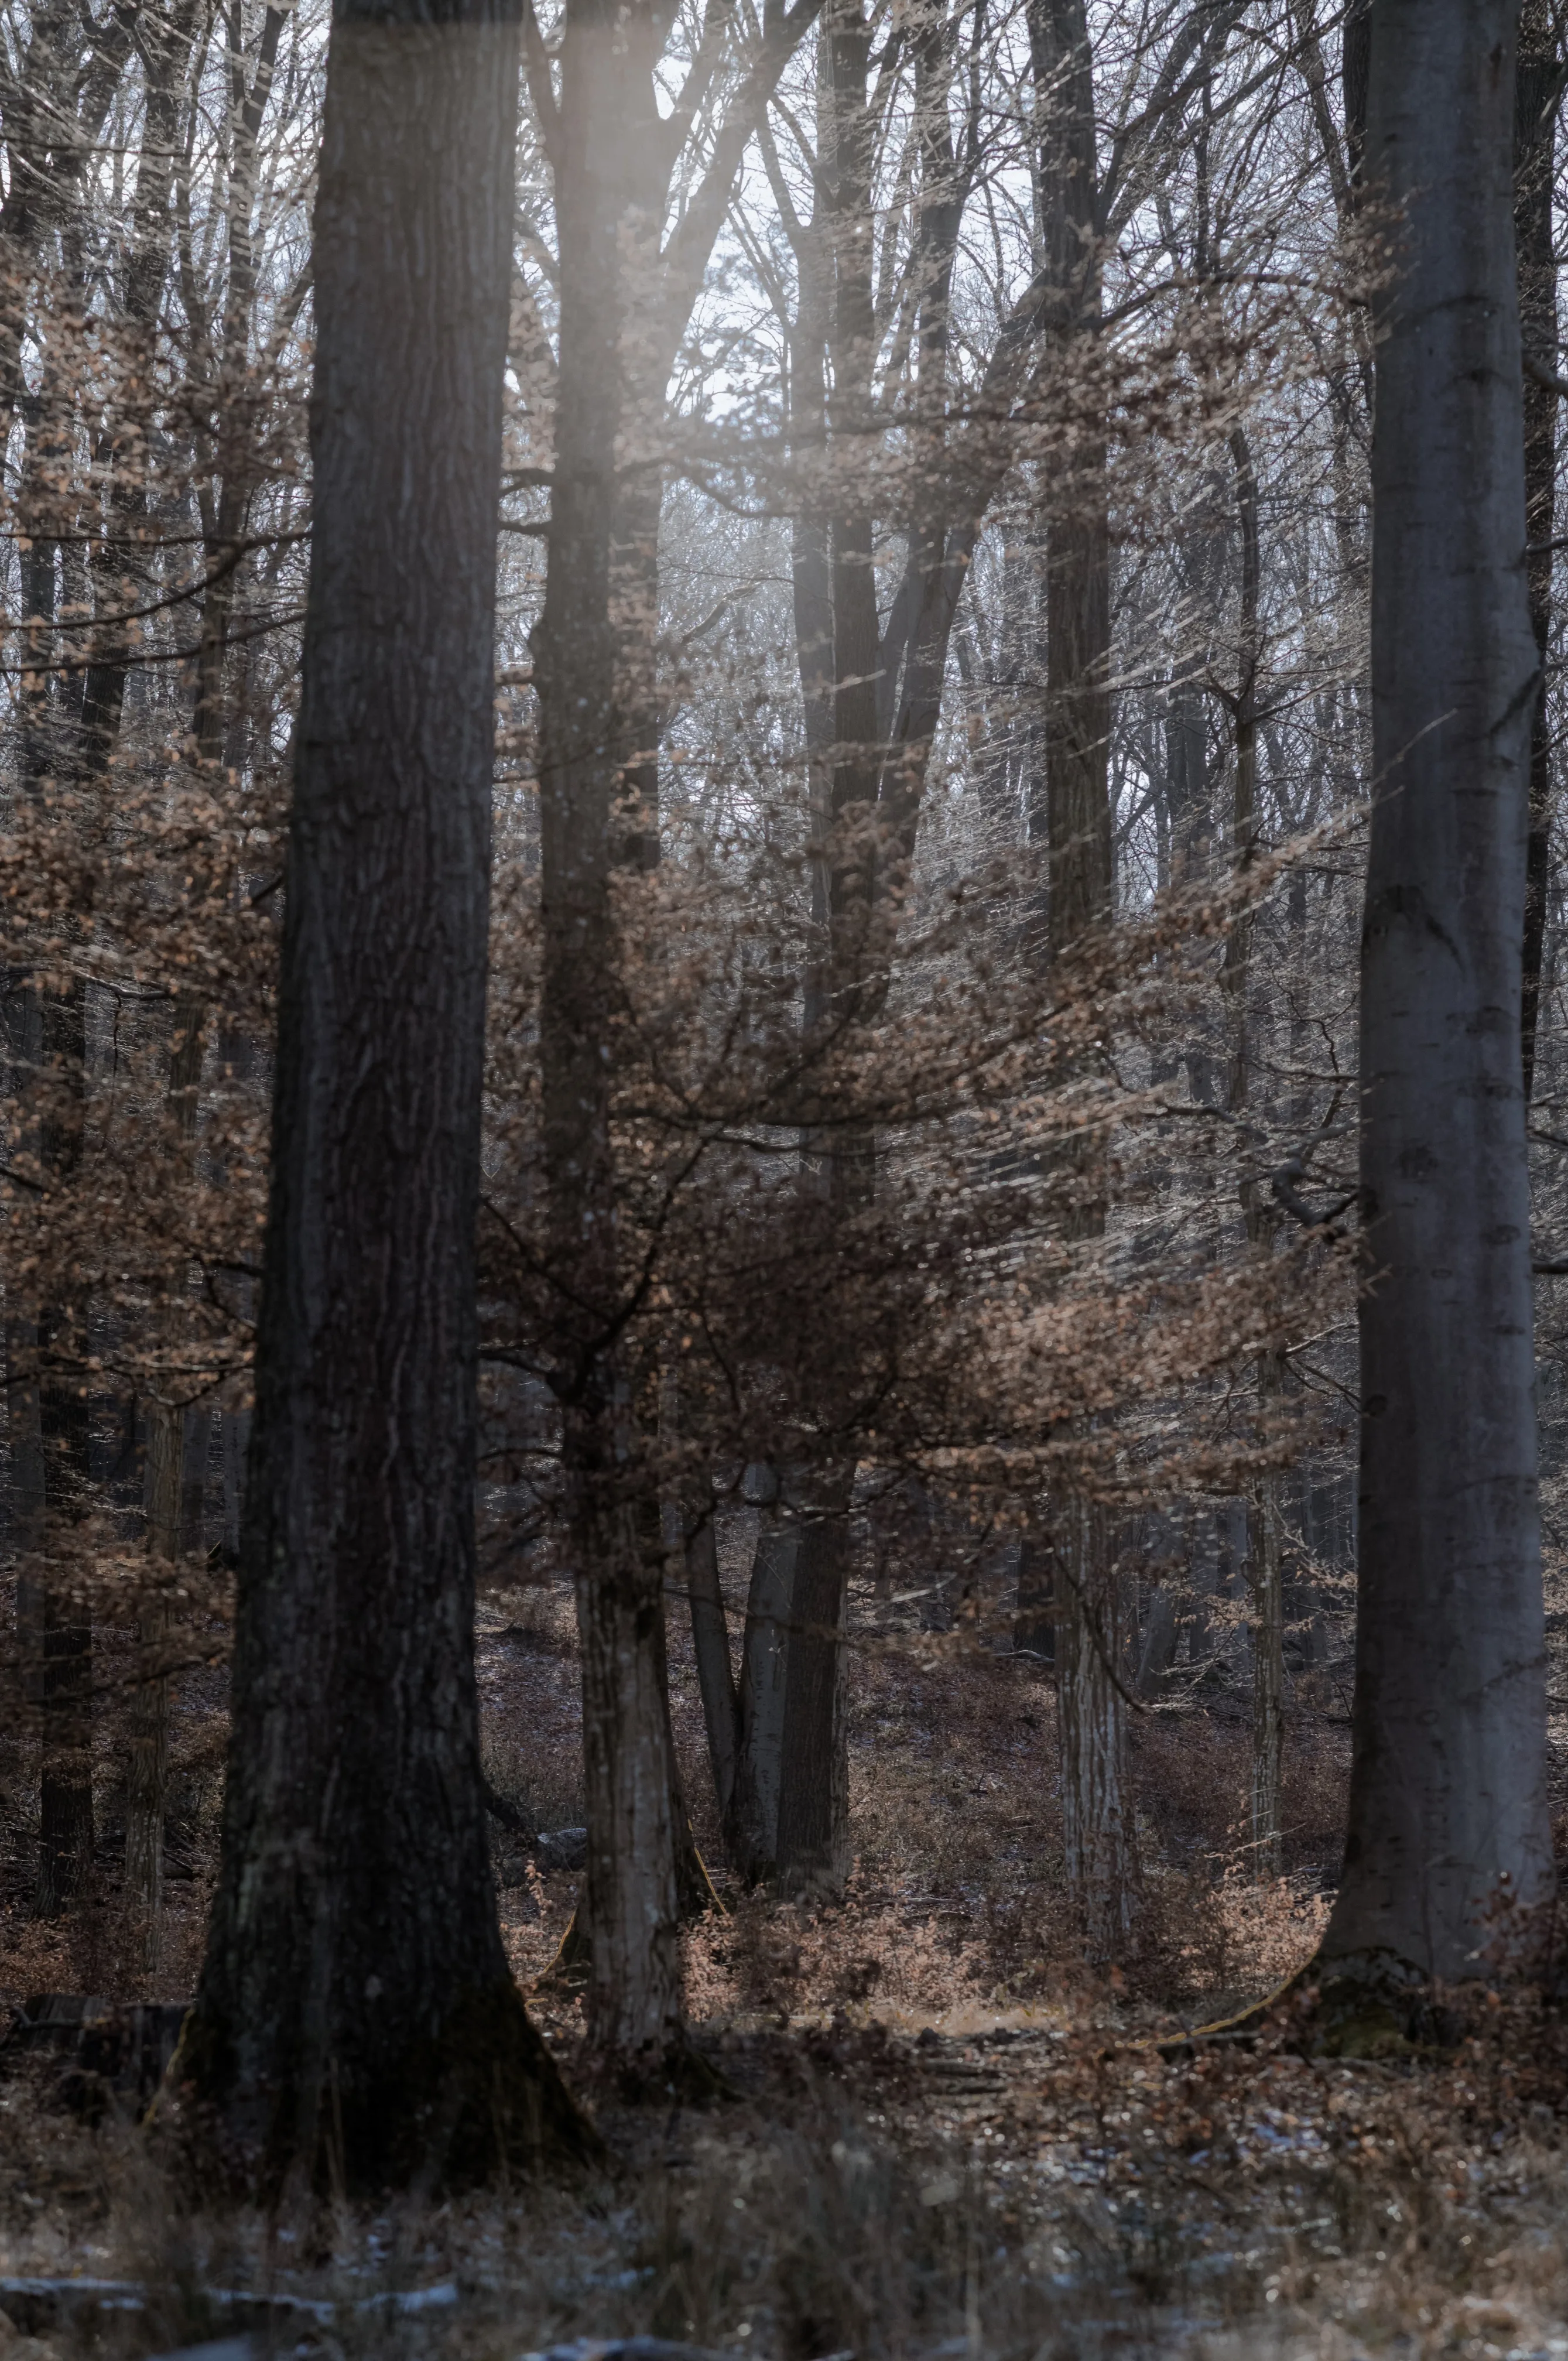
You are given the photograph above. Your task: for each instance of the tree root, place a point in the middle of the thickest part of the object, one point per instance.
(1367, 2004)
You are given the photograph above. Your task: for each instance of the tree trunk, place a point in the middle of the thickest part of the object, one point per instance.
(1102, 1859)
(631, 1901)
(1265, 1584)
(177, 1439)
(1537, 90)
(715, 1673)
(812, 1829)
(50, 1077)
(1034, 1617)
(1449, 1848)
(1263, 1562)
(782, 1772)
(764, 1680)
(65, 1782)
(1161, 1632)
(147, 1764)
(813, 1763)
(1099, 1829)
(355, 2015)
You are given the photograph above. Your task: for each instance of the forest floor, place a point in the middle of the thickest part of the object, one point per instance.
(946, 2136)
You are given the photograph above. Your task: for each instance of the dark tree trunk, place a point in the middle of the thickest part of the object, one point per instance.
(716, 1675)
(814, 1765)
(65, 1783)
(752, 1828)
(1537, 90)
(812, 1831)
(1266, 1582)
(1356, 64)
(1097, 1808)
(356, 2013)
(1448, 1817)
(1035, 1616)
(1264, 1575)
(177, 1440)
(630, 1903)
(56, 1624)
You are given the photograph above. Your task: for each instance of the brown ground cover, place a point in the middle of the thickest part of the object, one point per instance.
(947, 2133)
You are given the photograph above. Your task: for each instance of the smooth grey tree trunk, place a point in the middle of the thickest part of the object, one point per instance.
(1449, 1848)
(764, 1677)
(745, 1719)
(355, 2018)
(1538, 94)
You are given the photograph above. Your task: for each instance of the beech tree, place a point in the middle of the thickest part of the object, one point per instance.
(1448, 1819)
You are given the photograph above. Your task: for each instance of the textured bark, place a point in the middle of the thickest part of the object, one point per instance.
(1448, 1802)
(1098, 1831)
(356, 2013)
(632, 1902)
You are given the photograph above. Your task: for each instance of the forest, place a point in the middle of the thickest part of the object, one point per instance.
(783, 959)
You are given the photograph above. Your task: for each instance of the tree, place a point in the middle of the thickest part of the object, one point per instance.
(625, 296)
(1448, 1809)
(1537, 96)
(1097, 1817)
(355, 2005)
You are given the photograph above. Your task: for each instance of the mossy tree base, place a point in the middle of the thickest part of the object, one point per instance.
(1369, 2004)
(1374, 2004)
